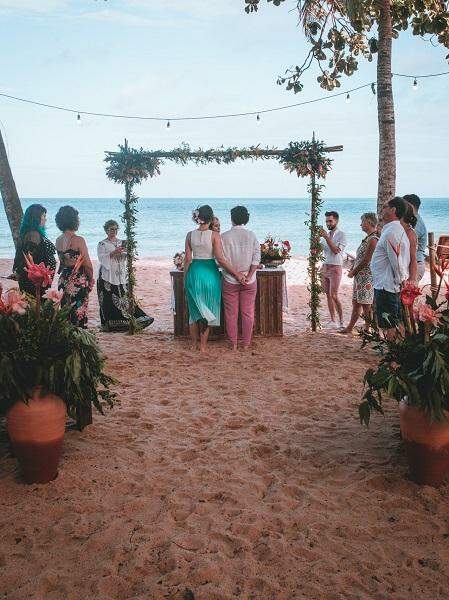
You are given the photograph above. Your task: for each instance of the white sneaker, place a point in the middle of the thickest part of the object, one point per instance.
(330, 325)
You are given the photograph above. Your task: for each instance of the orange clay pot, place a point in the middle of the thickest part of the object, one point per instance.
(426, 443)
(37, 431)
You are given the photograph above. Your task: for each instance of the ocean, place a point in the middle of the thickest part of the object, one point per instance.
(164, 222)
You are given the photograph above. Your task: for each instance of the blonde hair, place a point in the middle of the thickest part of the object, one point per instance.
(371, 218)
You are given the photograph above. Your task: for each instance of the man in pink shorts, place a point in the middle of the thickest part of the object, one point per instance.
(332, 268)
(242, 249)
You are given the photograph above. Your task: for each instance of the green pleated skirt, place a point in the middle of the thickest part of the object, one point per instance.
(203, 292)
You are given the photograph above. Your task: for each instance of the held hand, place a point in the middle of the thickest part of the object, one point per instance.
(241, 278)
(322, 233)
(351, 274)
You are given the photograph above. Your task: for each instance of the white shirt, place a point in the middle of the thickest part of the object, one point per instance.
(390, 270)
(112, 269)
(339, 239)
(242, 249)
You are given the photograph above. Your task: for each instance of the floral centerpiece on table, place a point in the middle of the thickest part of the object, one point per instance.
(414, 370)
(178, 260)
(274, 252)
(48, 367)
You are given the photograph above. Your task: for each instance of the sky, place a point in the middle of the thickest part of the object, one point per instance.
(173, 58)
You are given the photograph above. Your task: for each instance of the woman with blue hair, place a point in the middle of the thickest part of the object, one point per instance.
(33, 240)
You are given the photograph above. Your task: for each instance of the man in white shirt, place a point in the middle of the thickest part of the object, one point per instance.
(242, 249)
(390, 266)
(332, 268)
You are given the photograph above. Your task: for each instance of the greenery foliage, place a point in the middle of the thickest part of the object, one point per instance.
(413, 365)
(340, 33)
(315, 254)
(42, 348)
(306, 159)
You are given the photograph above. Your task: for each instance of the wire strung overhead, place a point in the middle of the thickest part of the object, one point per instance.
(257, 112)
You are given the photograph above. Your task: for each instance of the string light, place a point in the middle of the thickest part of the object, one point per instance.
(256, 113)
(348, 98)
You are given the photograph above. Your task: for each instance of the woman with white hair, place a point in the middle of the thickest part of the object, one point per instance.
(363, 291)
(112, 283)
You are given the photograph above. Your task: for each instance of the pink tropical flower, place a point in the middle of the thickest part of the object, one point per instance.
(426, 314)
(13, 302)
(54, 296)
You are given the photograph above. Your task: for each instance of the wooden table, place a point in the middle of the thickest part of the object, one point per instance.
(268, 319)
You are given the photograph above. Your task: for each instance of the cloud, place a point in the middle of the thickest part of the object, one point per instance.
(117, 16)
(32, 6)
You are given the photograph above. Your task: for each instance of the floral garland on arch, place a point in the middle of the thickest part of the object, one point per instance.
(306, 159)
(131, 167)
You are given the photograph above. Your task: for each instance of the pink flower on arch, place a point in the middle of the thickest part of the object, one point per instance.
(426, 314)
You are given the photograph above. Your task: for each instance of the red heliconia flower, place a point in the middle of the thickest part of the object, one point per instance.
(396, 249)
(409, 293)
(287, 245)
(39, 275)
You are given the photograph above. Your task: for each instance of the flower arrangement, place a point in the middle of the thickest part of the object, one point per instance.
(306, 159)
(178, 260)
(273, 249)
(40, 348)
(415, 363)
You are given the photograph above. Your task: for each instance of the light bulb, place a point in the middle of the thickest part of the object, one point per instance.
(168, 124)
(78, 119)
(415, 84)
(348, 98)
(258, 117)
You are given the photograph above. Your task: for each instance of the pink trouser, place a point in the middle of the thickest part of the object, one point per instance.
(237, 296)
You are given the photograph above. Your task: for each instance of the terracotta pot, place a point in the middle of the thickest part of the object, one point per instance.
(426, 443)
(37, 431)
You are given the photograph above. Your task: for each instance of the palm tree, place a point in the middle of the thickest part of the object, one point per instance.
(338, 32)
(11, 201)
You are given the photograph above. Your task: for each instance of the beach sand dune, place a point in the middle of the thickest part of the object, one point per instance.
(239, 476)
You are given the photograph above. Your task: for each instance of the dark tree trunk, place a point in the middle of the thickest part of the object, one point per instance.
(385, 108)
(11, 201)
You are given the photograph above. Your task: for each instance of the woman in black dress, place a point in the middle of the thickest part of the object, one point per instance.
(76, 276)
(33, 240)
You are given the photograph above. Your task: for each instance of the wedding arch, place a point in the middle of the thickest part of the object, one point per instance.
(130, 167)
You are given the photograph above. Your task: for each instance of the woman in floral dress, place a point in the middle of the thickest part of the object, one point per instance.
(363, 291)
(76, 277)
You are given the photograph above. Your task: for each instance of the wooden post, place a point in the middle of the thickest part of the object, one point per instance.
(313, 266)
(433, 275)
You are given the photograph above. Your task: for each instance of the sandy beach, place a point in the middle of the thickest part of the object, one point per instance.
(244, 475)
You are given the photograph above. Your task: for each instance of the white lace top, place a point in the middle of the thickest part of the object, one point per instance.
(201, 244)
(112, 269)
